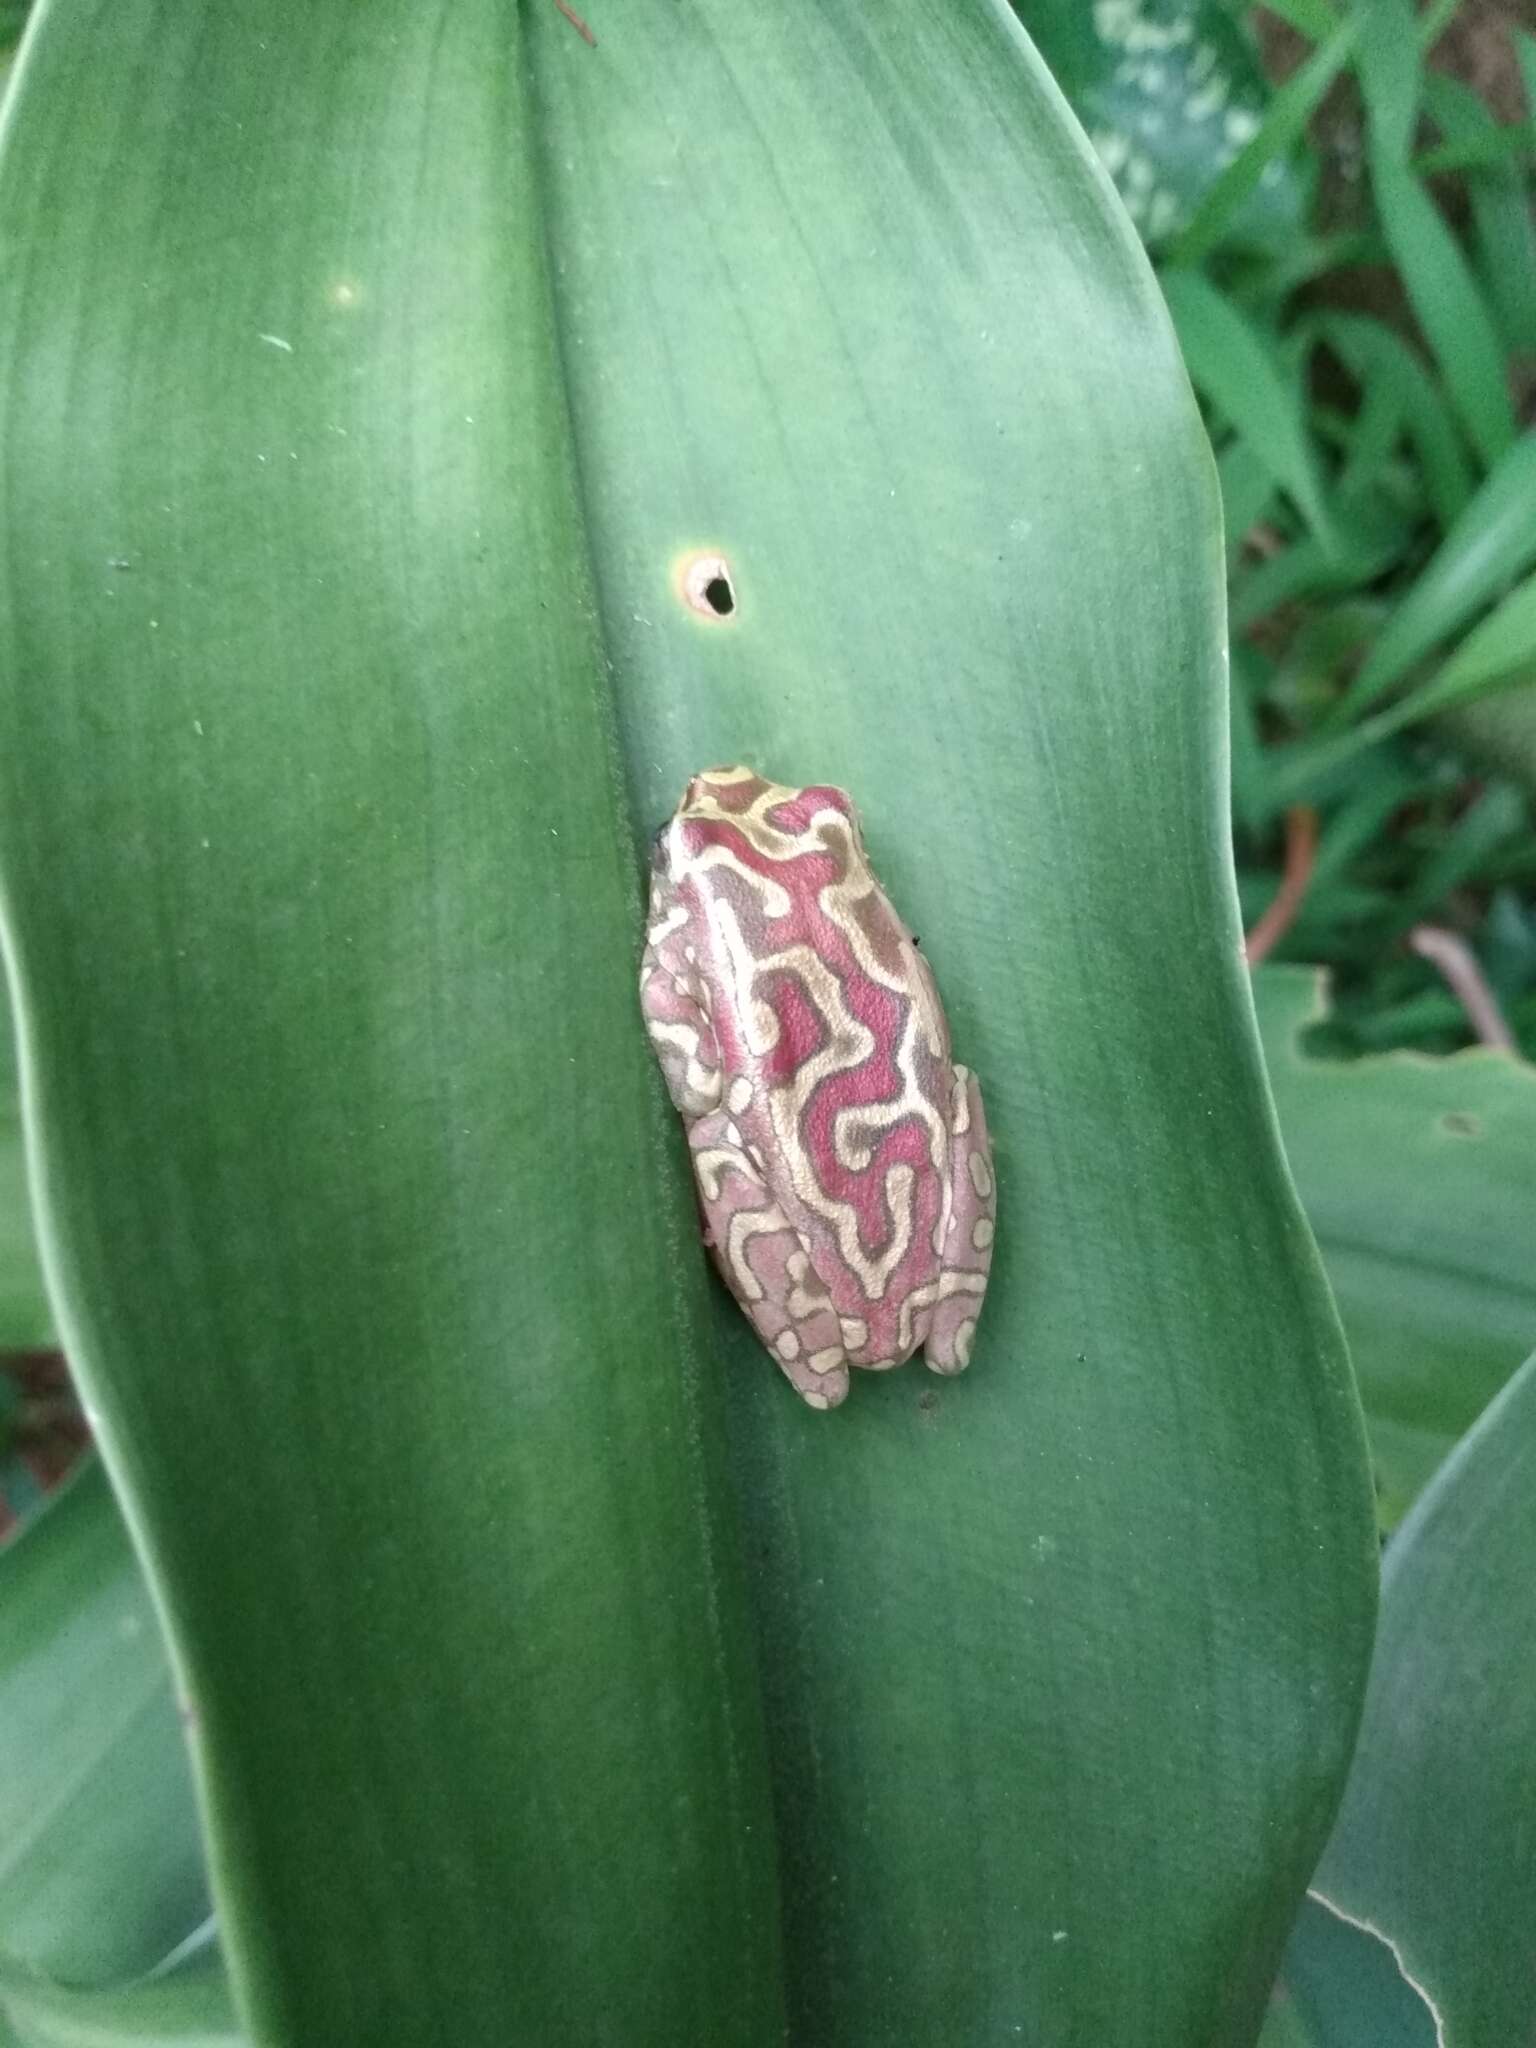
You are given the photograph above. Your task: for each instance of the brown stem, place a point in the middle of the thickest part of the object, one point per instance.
(1300, 853)
(1466, 981)
(577, 23)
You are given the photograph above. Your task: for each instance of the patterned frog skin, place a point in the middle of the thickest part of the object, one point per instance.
(841, 1155)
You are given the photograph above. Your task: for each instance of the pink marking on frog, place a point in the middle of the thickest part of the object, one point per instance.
(841, 1155)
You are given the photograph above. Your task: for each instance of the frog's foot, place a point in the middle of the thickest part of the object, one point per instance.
(792, 1312)
(765, 1266)
(967, 1255)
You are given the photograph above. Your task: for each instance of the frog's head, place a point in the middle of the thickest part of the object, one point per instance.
(797, 809)
(820, 815)
(779, 818)
(713, 796)
(718, 790)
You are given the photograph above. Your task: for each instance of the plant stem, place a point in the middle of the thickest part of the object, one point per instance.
(1300, 853)
(1451, 954)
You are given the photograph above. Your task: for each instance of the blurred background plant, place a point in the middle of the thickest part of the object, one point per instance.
(1339, 204)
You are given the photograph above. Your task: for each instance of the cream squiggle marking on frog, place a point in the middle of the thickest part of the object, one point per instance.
(841, 1156)
(849, 1046)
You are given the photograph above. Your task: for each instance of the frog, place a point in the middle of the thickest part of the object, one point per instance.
(840, 1153)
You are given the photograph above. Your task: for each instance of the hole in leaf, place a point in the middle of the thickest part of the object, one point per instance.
(707, 588)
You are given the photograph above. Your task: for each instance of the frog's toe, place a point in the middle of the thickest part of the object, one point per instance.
(953, 1327)
(819, 1377)
(952, 1354)
(829, 1391)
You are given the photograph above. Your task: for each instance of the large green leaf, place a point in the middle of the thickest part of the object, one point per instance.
(1432, 1849)
(357, 1196)
(923, 547)
(394, 1369)
(1419, 1177)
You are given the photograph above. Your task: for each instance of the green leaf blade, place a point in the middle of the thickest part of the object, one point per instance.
(1345, 1986)
(1283, 126)
(313, 619)
(1376, 355)
(924, 552)
(1231, 364)
(188, 2008)
(26, 1321)
(1430, 1848)
(1491, 544)
(1441, 287)
(1498, 654)
(101, 1869)
(1450, 308)
(1170, 105)
(1415, 1174)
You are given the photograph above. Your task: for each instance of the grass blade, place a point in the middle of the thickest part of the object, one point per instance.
(1375, 356)
(1283, 126)
(1493, 542)
(1439, 282)
(1247, 490)
(1499, 186)
(1498, 654)
(1231, 365)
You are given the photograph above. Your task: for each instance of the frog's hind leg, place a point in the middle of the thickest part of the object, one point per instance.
(967, 1254)
(806, 1341)
(765, 1266)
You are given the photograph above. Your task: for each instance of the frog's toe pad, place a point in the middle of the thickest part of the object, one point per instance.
(951, 1333)
(831, 1392)
(820, 1378)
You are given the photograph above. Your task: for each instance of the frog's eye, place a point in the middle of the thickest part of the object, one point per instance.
(796, 813)
(825, 797)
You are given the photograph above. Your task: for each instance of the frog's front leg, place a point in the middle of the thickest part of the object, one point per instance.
(673, 1001)
(765, 1265)
(967, 1254)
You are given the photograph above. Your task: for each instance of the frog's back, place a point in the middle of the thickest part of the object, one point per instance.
(829, 1016)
